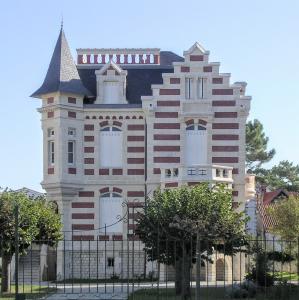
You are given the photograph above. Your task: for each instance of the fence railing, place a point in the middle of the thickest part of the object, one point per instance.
(125, 269)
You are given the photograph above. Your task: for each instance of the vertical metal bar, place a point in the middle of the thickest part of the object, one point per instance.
(166, 275)
(72, 261)
(190, 270)
(89, 266)
(113, 255)
(122, 265)
(183, 271)
(133, 250)
(31, 268)
(297, 262)
(80, 264)
(97, 264)
(16, 250)
(128, 257)
(158, 255)
(105, 259)
(63, 265)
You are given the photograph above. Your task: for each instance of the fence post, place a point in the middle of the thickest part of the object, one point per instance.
(198, 266)
(16, 250)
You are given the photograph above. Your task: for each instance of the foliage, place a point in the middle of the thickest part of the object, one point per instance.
(285, 176)
(256, 145)
(282, 257)
(286, 216)
(176, 215)
(172, 219)
(37, 221)
(260, 271)
(244, 290)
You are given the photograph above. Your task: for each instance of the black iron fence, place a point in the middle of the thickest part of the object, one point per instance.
(110, 267)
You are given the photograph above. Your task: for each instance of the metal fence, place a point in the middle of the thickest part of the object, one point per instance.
(110, 267)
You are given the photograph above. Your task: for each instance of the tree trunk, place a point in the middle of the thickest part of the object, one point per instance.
(5, 283)
(182, 277)
(178, 277)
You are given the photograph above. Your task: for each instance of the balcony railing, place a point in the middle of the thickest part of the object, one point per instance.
(197, 173)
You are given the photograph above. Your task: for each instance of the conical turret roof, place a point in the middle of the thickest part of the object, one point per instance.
(62, 75)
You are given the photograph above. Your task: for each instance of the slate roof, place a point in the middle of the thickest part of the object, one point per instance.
(139, 80)
(62, 74)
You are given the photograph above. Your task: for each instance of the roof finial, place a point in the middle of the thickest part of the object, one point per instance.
(61, 26)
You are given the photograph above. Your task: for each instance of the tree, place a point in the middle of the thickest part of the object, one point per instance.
(286, 216)
(256, 145)
(38, 222)
(285, 176)
(172, 218)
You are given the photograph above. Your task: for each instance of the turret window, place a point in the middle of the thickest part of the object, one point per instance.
(71, 152)
(51, 152)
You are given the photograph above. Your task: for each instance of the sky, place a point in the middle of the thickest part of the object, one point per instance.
(256, 41)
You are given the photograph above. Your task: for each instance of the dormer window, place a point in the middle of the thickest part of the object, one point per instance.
(111, 83)
(111, 92)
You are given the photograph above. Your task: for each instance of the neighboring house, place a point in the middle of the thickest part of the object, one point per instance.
(30, 193)
(265, 221)
(123, 122)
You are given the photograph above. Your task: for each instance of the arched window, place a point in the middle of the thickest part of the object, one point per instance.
(195, 145)
(111, 147)
(111, 212)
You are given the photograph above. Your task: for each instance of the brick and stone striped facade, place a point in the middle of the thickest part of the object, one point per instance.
(191, 92)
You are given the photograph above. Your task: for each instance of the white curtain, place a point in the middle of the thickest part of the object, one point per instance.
(110, 213)
(111, 149)
(196, 147)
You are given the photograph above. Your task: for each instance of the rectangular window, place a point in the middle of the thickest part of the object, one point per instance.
(111, 149)
(111, 212)
(71, 152)
(201, 88)
(51, 132)
(51, 153)
(110, 262)
(188, 88)
(71, 132)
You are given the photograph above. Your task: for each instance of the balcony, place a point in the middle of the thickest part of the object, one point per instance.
(198, 173)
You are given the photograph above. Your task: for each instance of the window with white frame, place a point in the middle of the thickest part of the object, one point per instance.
(51, 152)
(188, 88)
(111, 147)
(195, 145)
(201, 88)
(111, 92)
(111, 213)
(71, 152)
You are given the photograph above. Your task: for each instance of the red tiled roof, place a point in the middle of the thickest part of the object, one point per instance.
(268, 197)
(268, 201)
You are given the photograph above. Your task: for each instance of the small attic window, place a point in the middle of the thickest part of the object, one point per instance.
(111, 92)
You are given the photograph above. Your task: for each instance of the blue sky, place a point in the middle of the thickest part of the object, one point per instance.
(256, 41)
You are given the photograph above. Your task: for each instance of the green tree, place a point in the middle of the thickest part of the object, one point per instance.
(256, 145)
(172, 218)
(286, 216)
(285, 176)
(37, 222)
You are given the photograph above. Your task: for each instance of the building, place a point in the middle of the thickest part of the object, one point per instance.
(122, 122)
(30, 193)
